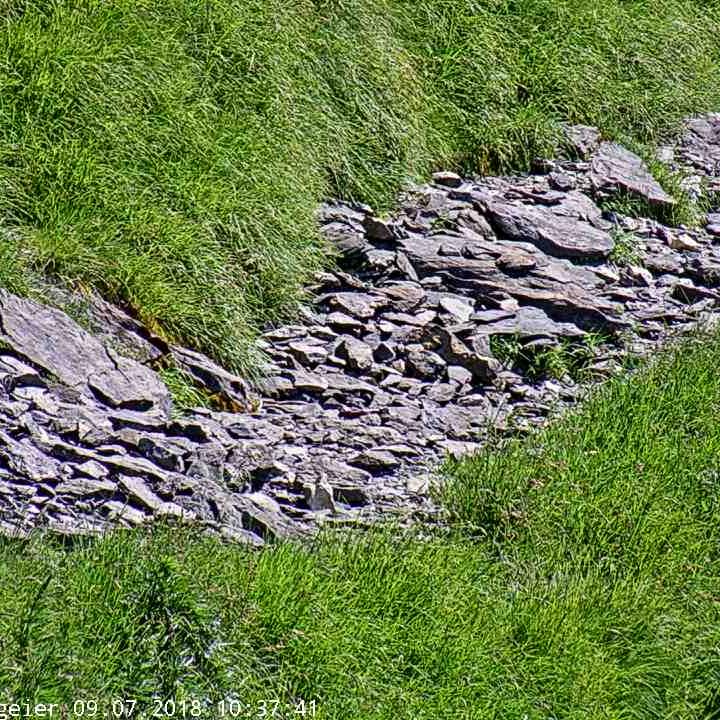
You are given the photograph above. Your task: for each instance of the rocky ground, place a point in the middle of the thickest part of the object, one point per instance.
(480, 306)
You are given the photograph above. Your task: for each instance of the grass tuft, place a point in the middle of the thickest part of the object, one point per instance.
(183, 390)
(625, 248)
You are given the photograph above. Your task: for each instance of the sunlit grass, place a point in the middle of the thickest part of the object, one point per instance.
(173, 154)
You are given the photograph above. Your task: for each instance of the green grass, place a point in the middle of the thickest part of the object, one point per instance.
(185, 394)
(172, 154)
(569, 358)
(580, 579)
(625, 249)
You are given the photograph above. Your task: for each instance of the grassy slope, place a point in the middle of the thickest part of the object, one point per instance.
(581, 580)
(172, 154)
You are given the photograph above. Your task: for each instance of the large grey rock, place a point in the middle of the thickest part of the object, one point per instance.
(375, 461)
(50, 340)
(614, 168)
(557, 235)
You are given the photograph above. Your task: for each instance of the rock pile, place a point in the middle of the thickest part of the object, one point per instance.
(436, 330)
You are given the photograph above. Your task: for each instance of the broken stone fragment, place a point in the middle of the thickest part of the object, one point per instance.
(319, 496)
(122, 512)
(404, 297)
(664, 263)
(343, 321)
(26, 460)
(377, 229)
(637, 275)
(308, 353)
(20, 372)
(359, 355)
(700, 145)
(561, 181)
(349, 241)
(92, 469)
(459, 449)
(263, 516)
(516, 262)
(309, 382)
(442, 392)
(530, 323)
(380, 260)
(478, 359)
(447, 179)
(417, 320)
(385, 352)
(582, 140)
(459, 374)
(683, 242)
(713, 230)
(86, 487)
(359, 305)
(423, 363)
(405, 266)
(461, 310)
(375, 461)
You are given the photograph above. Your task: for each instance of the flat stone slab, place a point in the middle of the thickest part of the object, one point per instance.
(50, 340)
(557, 235)
(614, 168)
(700, 144)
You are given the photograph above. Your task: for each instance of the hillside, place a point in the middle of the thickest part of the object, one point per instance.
(173, 155)
(345, 373)
(579, 579)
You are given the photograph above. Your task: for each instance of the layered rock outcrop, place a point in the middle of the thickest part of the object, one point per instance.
(437, 330)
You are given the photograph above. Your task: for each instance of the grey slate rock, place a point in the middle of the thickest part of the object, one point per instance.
(423, 363)
(375, 461)
(555, 235)
(377, 229)
(50, 340)
(359, 355)
(310, 354)
(403, 297)
(583, 140)
(530, 323)
(447, 179)
(615, 168)
(699, 146)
